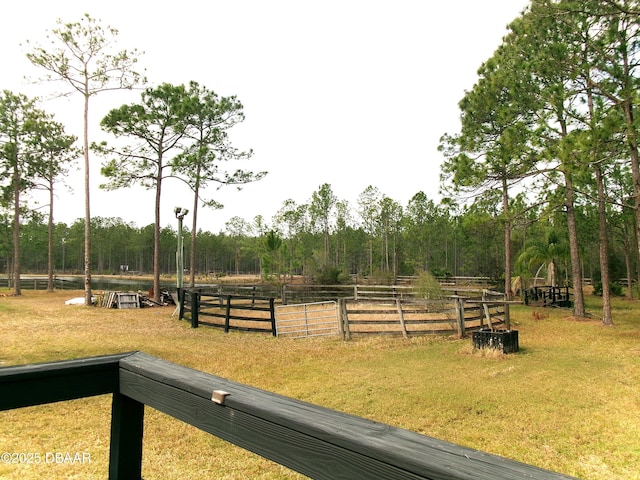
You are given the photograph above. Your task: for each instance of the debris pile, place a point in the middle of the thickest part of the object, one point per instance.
(116, 299)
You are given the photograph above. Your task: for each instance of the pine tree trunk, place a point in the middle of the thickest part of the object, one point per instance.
(87, 208)
(604, 251)
(194, 226)
(16, 232)
(156, 238)
(632, 143)
(576, 275)
(50, 241)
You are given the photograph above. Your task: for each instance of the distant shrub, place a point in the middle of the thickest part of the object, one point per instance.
(380, 277)
(441, 272)
(329, 276)
(615, 288)
(427, 286)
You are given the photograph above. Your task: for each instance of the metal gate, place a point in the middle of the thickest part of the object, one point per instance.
(307, 320)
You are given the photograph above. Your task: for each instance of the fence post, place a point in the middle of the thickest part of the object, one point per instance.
(127, 424)
(507, 316)
(487, 313)
(339, 316)
(459, 305)
(401, 315)
(227, 316)
(195, 308)
(272, 312)
(181, 298)
(344, 319)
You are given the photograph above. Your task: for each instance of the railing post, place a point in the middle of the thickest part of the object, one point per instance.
(127, 423)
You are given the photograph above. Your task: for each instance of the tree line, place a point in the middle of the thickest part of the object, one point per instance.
(328, 240)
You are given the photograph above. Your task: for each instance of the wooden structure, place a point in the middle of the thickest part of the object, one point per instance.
(548, 296)
(315, 441)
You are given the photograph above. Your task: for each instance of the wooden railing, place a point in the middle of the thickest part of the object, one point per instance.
(315, 441)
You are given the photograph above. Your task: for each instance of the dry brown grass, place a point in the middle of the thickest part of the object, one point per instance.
(569, 401)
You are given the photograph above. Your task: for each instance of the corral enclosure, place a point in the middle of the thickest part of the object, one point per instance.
(346, 311)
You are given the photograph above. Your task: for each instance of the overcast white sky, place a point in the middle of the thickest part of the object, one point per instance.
(347, 92)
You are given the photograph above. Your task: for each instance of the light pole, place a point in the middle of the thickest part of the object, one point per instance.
(180, 214)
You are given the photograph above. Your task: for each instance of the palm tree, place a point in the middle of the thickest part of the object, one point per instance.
(547, 254)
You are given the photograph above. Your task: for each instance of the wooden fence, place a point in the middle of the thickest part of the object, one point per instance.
(455, 315)
(35, 283)
(230, 312)
(392, 314)
(314, 441)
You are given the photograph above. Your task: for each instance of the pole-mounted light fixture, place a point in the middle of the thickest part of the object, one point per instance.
(180, 214)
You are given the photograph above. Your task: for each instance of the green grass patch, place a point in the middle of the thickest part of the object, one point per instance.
(568, 401)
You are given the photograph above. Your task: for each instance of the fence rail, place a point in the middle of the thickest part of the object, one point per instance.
(318, 442)
(301, 293)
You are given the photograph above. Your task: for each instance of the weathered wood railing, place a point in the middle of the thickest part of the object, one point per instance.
(315, 441)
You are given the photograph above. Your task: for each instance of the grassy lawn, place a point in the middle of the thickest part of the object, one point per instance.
(569, 401)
